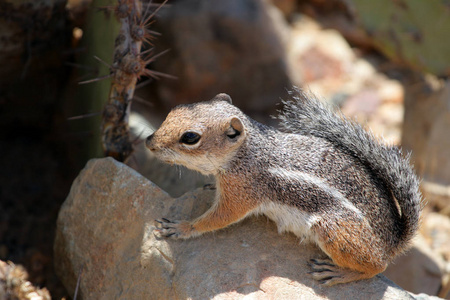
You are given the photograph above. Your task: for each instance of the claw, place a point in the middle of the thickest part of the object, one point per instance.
(175, 229)
(325, 280)
(209, 186)
(321, 262)
(322, 270)
(325, 272)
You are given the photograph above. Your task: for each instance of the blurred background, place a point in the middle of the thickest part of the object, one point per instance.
(385, 63)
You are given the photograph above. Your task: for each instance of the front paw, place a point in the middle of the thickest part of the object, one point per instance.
(174, 229)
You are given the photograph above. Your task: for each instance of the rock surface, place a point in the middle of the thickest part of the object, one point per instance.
(105, 237)
(425, 128)
(233, 46)
(436, 227)
(419, 270)
(426, 134)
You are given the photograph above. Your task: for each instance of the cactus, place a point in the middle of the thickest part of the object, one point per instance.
(83, 101)
(412, 32)
(128, 66)
(129, 26)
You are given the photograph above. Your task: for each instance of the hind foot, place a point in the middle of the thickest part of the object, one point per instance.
(327, 273)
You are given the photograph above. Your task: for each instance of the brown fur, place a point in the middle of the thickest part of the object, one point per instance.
(229, 208)
(354, 259)
(317, 184)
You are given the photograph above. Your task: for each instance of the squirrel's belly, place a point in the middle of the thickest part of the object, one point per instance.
(289, 219)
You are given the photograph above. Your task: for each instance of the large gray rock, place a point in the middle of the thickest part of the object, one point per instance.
(233, 46)
(105, 237)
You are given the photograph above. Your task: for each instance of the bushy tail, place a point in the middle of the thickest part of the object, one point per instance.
(305, 114)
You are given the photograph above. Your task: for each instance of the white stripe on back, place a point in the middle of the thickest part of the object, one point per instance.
(297, 176)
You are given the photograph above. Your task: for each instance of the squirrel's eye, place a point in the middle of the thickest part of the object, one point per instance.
(190, 138)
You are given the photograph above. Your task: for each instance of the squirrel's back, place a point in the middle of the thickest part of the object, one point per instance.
(306, 115)
(320, 182)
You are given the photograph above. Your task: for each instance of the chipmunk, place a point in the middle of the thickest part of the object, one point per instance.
(324, 178)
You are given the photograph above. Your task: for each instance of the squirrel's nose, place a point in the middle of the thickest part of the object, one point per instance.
(148, 143)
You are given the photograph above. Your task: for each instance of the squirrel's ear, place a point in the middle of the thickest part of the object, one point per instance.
(223, 97)
(236, 128)
(236, 124)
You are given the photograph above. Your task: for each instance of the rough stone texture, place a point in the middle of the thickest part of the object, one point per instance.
(436, 227)
(233, 46)
(426, 128)
(105, 236)
(419, 270)
(426, 134)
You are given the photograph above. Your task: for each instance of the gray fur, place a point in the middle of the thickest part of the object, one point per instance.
(324, 178)
(308, 116)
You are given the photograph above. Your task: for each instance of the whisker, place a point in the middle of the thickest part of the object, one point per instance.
(96, 79)
(84, 116)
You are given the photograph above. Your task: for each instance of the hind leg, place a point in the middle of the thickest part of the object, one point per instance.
(354, 253)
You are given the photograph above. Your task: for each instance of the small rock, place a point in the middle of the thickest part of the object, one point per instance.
(438, 195)
(365, 102)
(391, 91)
(437, 228)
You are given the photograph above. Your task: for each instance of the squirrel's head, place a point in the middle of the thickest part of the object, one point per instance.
(202, 136)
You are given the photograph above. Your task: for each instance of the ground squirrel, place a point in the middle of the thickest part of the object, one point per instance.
(324, 178)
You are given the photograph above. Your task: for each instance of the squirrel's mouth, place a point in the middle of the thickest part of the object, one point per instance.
(164, 155)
